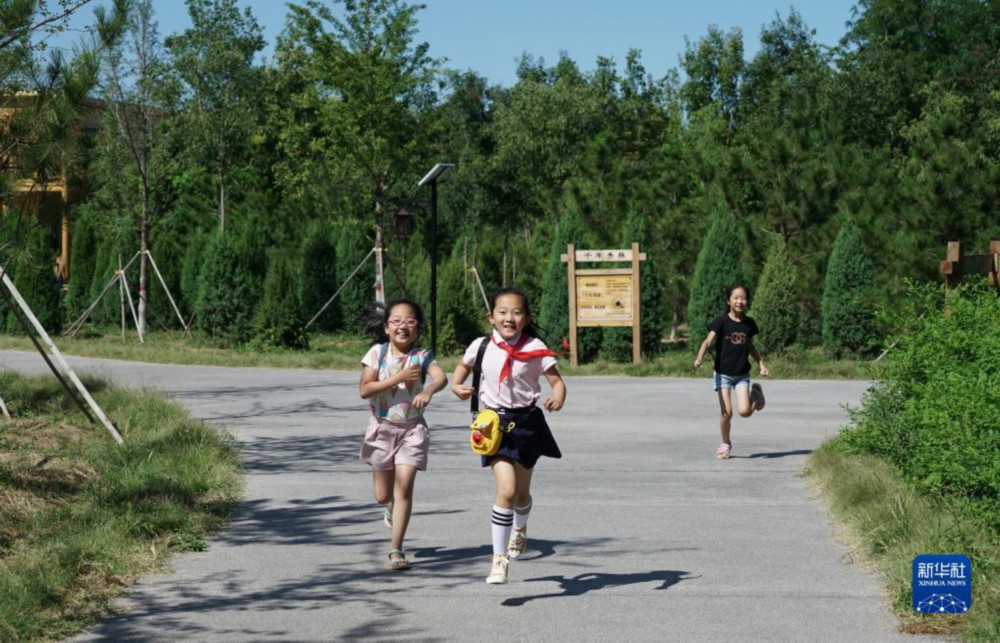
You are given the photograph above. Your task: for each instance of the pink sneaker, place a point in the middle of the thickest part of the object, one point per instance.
(722, 453)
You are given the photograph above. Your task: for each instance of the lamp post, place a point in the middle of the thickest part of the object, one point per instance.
(436, 173)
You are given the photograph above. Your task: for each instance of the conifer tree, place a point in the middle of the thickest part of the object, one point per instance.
(227, 291)
(278, 320)
(553, 310)
(319, 278)
(718, 266)
(775, 307)
(357, 295)
(848, 312)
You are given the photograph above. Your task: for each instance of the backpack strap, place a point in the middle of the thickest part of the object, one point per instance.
(382, 351)
(424, 365)
(477, 374)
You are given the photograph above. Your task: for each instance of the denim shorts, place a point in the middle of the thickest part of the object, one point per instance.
(731, 381)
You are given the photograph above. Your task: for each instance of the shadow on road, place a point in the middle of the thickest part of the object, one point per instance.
(591, 582)
(773, 455)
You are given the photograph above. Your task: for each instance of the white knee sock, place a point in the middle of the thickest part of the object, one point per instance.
(521, 515)
(503, 519)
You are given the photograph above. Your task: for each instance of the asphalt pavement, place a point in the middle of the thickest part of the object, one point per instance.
(638, 533)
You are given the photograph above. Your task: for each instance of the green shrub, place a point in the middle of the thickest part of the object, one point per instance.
(935, 413)
(553, 310)
(228, 290)
(847, 307)
(616, 343)
(83, 251)
(459, 307)
(35, 281)
(352, 246)
(190, 270)
(719, 266)
(319, 279)
(278, 321)
(775, 307)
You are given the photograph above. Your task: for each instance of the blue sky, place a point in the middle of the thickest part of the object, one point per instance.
(488, 36)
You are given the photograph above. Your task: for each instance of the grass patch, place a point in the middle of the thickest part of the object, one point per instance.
(81, 517)
(888, 523)
(343, 352)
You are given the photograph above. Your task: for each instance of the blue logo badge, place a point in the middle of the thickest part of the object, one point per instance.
(942, 584)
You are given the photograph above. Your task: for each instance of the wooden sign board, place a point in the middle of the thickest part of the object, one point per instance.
(604, 300)
(604, 296)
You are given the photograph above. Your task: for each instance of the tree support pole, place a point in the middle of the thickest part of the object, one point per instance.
(22, 311)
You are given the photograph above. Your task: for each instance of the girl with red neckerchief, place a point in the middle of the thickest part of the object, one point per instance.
(513, 363)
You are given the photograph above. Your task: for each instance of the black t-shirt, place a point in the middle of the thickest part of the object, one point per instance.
(732, 344)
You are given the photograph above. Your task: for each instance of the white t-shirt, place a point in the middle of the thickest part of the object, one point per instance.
(523, 387)
(396, 404)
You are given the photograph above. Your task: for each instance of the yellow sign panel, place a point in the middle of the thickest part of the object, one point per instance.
(604, 300)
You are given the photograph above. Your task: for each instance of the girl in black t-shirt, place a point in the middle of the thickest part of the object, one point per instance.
(735, 332)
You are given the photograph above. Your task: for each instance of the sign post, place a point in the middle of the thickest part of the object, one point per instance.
(604, 296)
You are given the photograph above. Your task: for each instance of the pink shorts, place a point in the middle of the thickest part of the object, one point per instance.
(390, 443)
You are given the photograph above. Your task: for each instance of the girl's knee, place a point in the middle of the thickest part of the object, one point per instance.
(382, 496)
(747, 412)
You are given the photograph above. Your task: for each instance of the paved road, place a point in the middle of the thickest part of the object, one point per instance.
(638, 533)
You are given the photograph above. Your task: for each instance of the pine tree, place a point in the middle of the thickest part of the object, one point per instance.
(35, 281)
(278, 320)
(82, 261)
(319, 279)
(848, 312)
(719, 266)
(553, 316)
(227, 291)
(775, 307)
(355, 299)
(616, 343)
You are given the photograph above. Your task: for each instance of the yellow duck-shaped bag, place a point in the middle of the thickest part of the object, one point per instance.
(486, 435)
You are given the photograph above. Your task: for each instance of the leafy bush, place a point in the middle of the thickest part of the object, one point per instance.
(36, 282)
(352, 246)
(553, 311)
(459, 307)
(775, 306)
(847, 307)
(935, 413)
(616, 343)
(278, 321)
(319, 278)
(718, 266)
(83, 251)
(228, 290)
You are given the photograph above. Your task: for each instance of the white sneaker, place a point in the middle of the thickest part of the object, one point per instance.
(518, 539)
(498, 572)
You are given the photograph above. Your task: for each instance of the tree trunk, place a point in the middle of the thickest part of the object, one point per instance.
(143, 266)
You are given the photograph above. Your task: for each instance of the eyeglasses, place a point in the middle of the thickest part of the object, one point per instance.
(409, 322)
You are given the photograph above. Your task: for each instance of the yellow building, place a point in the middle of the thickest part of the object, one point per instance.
(49, 200)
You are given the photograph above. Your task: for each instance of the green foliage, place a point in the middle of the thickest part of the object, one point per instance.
(352, 246)
(849, 324)
(459, 306)
(278, 320)
(616, 343)
(553, 310)
(228, 290)
(36, 283)
(719, 266)
(82, 259)
(191, 264)
(775, 306)
(935, 413)
(319, 276)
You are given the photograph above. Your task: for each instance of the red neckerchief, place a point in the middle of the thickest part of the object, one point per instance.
(513, 353)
